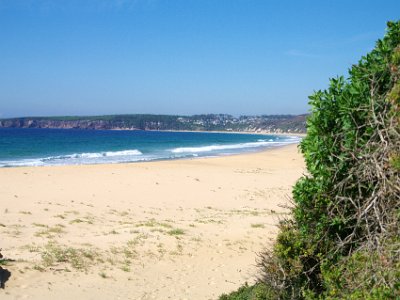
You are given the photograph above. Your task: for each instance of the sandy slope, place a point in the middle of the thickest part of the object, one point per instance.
(187, 229)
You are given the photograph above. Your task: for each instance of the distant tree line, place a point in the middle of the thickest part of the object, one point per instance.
(205, 122)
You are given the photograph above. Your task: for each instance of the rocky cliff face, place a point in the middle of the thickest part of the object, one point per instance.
(272, 124)
(63, 124)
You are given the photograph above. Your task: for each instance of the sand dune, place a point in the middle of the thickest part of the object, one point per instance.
(187, 229)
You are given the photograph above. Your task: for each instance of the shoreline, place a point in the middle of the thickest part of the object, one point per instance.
(157, 230)
(303, 134)
(261, 132)
(200, 158)
(203, 151)
(254, 151)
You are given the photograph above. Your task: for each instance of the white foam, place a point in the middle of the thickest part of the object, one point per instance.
(123, 153)
(78, 158)
(101, 154)
(22, 163)
(230, 146)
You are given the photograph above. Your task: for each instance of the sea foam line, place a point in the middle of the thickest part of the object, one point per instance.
(231, 146)
(95, 154)
(80, 158)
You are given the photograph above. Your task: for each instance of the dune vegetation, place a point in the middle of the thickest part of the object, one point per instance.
(342, 240)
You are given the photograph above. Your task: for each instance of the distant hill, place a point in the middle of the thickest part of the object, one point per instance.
(207, 122)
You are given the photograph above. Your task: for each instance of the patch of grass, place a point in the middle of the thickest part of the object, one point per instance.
(132, 243)
(25, 212)
(4, 262)
(160, 249)
(395, 162)
(176, 231)
(60, 216)
(50, 232)
(38, 268)
(153, 223)
(178, 251)
(196, 239)
(129, 252)
(76, 221)
(258, 225)
(126, 268)
(157, 230)
(87, 219)
(209, 221)
(31, 248)
(258, 291)
(121, 257)
(138, 240)
(78, 258)
(74, 212)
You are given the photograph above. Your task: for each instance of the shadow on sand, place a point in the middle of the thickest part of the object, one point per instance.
(4, 276)
(4, 273)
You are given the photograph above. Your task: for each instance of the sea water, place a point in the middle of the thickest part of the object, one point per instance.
(41, 147)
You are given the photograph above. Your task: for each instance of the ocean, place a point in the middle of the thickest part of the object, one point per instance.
(51, 147)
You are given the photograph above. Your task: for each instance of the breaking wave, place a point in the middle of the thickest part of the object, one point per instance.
(78, 158)
(214, 148)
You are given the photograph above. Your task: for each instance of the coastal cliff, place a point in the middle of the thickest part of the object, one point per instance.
(211, 122)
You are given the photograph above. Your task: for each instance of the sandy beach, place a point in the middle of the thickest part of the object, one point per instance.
(183, 229)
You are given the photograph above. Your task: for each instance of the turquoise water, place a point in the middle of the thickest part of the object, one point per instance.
(40, 147)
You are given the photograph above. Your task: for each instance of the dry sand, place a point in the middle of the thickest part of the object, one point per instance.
(184, 229)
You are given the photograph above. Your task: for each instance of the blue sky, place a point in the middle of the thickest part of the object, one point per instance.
(88, 57)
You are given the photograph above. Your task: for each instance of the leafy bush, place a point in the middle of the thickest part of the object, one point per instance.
(258, 291)
(343, 240)
(346, 207)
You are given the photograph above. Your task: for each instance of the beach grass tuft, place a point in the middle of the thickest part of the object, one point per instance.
(176, 231)
(49, 232)
(79, 258)
(258, 225)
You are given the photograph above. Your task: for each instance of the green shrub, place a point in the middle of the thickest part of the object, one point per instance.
(342, 241)
(346, 207)
(258, 291)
